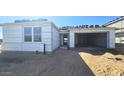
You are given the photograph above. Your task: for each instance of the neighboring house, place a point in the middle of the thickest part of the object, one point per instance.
(32, 35)
(119, 25)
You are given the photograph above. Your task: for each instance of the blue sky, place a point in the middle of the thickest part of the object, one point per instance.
(61, 20)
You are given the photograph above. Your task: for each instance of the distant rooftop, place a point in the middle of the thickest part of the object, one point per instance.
(25, 20)
(115, 20)
(81, 27)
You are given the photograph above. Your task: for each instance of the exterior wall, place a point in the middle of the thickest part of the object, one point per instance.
(55, 38)
(72, 39)
(47, 37)
(13, 38)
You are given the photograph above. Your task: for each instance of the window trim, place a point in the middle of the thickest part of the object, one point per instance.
(32, 34)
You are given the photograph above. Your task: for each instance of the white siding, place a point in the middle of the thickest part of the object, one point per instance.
(22, 46)
(111, 39)
(13, 38)
(55, 38)
(46, 37)
(12, 34)
(72, 39)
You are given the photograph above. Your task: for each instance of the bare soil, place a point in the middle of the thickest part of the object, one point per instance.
(104, 62)
(87, 61)
(62, 62)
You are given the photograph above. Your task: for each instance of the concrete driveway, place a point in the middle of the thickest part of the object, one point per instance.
(61, 63)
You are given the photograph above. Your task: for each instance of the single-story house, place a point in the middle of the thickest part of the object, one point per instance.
(32, 35)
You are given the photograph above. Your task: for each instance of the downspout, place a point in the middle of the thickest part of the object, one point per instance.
(44, 48)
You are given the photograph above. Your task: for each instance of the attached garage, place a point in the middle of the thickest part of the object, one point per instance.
(91, 39)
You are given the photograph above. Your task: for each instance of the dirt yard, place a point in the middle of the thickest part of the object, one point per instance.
(74, 62)
(104, 63)
(61, 63)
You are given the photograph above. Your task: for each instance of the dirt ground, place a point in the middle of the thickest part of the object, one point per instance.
(88, 61)
(104, 62)
(61, 63)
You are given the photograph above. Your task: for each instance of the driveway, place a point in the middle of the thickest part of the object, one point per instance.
(60, 63)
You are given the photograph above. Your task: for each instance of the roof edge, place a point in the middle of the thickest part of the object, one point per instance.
(114, 21)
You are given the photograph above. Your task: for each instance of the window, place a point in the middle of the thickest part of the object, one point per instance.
(37, 34)
(32, 34)
(28, 34)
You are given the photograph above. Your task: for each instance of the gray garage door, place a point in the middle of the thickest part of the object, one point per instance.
(91, 39)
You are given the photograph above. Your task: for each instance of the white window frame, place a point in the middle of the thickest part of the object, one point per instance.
(32, 34)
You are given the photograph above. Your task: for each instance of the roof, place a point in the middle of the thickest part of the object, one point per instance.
(30, 22)
(114, 21)
(21, 22)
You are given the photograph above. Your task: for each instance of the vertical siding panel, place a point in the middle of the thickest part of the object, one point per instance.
(72, 39)
(111, 39)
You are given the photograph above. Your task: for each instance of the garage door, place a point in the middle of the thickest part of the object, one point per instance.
(91, 39)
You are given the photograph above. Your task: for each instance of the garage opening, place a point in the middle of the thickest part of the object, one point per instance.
(91, 39)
